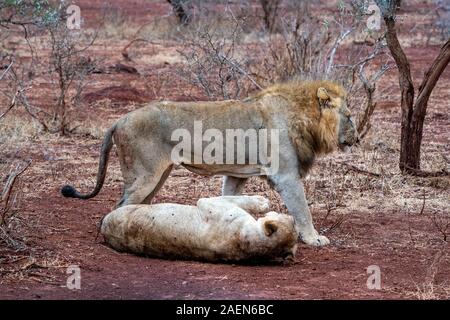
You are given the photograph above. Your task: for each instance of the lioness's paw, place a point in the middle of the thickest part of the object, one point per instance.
(316, 241)
(263, 204)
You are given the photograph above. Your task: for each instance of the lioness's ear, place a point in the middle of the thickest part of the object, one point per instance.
(270, 227)
(322, 94)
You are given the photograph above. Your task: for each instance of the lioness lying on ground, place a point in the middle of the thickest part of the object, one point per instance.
(312, 118)
(216, 229)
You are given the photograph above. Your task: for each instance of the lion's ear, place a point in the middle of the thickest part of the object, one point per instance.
(322, 94)
(270, 227)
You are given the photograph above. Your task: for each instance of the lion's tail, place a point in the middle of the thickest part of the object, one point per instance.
(70, 192)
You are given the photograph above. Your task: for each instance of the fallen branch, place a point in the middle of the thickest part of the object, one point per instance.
(7, 70)
(124, 50)
(11, 105)
(6, 194)
(358, 170)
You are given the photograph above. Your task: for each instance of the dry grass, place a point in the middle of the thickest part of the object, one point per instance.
(16, 131)
(22, 136)
(432, 288)
(431, 291)
(117, 26)
(20, 267)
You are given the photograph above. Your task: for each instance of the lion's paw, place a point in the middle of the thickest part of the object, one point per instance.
(262, 204)
(316, 240)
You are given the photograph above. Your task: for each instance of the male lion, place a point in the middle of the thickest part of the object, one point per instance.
(312, 119)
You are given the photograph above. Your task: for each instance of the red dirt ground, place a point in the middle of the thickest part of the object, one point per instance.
(403, 246)
(337, 271)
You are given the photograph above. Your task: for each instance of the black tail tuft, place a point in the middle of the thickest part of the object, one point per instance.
(69, 191)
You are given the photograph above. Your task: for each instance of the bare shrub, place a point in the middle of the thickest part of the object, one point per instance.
(441, 222)
(116, 25)
(18, 21)
(431, 289)
(9, 205)
(15, 131)
(213, 62)
(67, 67)
(12, 96)
(338, 47)
(308, 42)
(70, 68)
(363, 103)
(297, 51)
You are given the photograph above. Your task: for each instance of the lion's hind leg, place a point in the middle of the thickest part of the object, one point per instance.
(161, 181)
(233, 186)
(145, 187)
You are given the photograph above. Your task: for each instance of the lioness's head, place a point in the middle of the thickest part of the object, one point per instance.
(279, 236)
(347, 134)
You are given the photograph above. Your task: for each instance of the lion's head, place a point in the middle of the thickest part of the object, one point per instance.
(347, 134)
(319, 119)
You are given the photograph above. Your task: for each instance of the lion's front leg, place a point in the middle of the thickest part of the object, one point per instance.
(233, 186)
(291, 190)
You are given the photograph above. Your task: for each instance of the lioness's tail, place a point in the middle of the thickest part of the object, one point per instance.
(70, 192)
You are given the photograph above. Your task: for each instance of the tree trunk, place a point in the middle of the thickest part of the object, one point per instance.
(413, 114)
(420, 106)
(407, 91)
